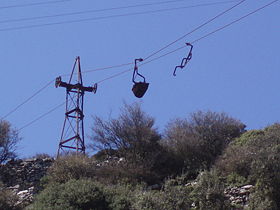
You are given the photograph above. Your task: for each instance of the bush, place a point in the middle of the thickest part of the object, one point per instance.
(175, 198)
(132, 136)
(258, 162)
(71, 167)
(200, 139)
(261, 200)
(121, 196)
(266, 174)
(231, 163)
(209, 192)
(174, 195)
(72, 195)
(236, 180)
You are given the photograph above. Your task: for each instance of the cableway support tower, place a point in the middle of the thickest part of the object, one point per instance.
(72, 135)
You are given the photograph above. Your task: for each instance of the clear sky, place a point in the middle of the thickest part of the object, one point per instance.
(235, 70)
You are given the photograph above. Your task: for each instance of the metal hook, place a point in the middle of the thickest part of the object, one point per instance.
(185, 60)
(136, 70)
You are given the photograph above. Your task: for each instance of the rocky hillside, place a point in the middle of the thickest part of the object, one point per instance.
(23, 176)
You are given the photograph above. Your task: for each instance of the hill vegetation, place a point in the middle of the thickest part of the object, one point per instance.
(188, 166)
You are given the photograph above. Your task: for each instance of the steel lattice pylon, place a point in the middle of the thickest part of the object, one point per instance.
(72, 136)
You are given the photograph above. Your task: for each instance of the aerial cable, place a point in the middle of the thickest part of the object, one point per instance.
(144, 63)
(187, 59)
(106, 9)
(114, 75)
(108, 67)
(33, 4)
(235, 21)
(26, 100)
(41, 116)
(50, 82)
(108, 17)
(197, 40)
(184, 46)
(195, 29)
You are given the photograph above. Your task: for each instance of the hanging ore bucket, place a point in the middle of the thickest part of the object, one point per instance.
(139, 88)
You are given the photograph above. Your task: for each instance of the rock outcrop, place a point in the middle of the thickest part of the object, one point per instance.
(239, 196)
(22, 177)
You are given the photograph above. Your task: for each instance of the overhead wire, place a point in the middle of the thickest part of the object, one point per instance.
(195, 29)
(105, 68)
(235, 21)
(125, 71)
(180, 38)
(106, 9)
(99, 69)
(194, 41)
(51, 81)
(33, 4)
(208, 34)
(26, 100)
(120, 73)
(41, 116)
(110, 16)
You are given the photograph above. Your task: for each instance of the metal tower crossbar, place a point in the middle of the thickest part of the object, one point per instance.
(72, 135)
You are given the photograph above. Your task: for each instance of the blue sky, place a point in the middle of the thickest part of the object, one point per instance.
(235, 70)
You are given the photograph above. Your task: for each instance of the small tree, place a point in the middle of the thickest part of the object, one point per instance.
(201, 138)
(131, 131)
(133, 136)
(8, 141)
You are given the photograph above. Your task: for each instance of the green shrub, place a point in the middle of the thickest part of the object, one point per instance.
(170, 197)
(148, 201)
(121, 196)
(260, 199)
(266, 174)
(174, 195)
(209, 192)
(249, 136)
(235, 179)
(255, 159)
(173, 198)
(70, 167)
(72, 195)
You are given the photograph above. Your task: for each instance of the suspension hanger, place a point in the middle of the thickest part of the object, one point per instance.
(185, 60)
(139, 88)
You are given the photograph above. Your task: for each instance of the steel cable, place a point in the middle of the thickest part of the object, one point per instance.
(106, 17)
(33, 4)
